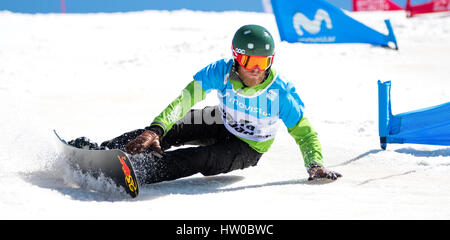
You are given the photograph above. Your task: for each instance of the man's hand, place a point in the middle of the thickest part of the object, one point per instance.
(143, 141)
(321, 172)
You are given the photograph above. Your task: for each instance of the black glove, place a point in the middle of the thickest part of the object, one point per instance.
(319, 172)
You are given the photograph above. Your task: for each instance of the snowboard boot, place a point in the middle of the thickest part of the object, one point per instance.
(84, 143)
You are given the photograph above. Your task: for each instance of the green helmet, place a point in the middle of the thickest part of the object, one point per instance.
(253, 40)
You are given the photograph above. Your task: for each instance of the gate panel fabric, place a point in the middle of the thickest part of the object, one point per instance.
(424, 126)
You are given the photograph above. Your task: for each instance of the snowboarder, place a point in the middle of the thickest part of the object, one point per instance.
(233, 135)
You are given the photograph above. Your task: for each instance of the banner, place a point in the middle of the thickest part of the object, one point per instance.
(425, 126)
(317, 21)
(375, 5)
(429, 7)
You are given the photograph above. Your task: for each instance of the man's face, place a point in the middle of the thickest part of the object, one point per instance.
(251, 78)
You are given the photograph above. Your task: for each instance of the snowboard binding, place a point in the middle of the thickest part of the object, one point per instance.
(84, 143)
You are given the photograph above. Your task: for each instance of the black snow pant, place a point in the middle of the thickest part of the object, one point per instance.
(217, 151)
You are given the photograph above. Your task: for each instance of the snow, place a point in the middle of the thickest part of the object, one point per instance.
(100, 75)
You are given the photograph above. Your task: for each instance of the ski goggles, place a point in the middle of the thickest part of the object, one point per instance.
(250, 62)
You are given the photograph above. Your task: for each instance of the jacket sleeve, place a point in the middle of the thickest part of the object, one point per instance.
(307, 139)
(191, 94)
(209, 78)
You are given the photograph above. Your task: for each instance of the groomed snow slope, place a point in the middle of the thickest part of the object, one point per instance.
(100, 75)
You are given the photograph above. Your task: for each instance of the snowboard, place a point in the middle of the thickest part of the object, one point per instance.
(113, 164)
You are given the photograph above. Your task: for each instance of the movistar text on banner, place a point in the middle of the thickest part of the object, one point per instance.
(318, 21)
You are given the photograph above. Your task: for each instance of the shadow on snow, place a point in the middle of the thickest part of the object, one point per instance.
(184, 186)
(193, 185)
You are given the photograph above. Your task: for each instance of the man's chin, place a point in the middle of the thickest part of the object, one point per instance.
(251, 82)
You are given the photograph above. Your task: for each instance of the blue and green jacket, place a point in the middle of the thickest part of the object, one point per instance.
(251, 113)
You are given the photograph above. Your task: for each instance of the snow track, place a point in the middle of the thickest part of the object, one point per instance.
(99, 75)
